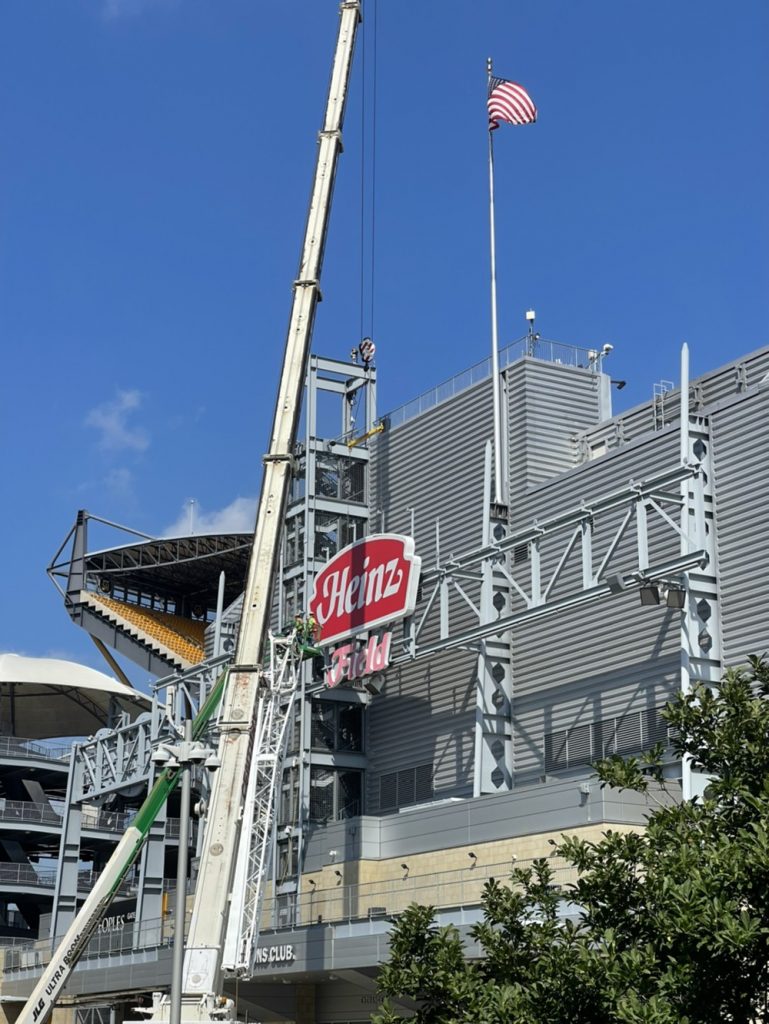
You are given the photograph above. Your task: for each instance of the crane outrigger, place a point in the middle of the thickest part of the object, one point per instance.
(252, 697)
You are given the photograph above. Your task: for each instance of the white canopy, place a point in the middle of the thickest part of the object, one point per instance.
(42, 698)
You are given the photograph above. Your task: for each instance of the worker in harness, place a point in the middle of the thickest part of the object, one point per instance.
(307, 633)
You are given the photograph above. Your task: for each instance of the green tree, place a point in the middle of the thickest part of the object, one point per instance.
(668, 926)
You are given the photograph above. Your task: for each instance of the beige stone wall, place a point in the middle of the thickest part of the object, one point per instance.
(443, 878)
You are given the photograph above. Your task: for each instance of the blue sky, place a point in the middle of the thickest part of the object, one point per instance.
(155, 168)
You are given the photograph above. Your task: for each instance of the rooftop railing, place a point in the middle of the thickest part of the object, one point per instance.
(534, 347)
(15, 746)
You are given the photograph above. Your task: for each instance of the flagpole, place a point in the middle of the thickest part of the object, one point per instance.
(498, 498)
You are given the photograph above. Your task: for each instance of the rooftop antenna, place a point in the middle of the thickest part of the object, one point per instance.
(192, 503)
(532, 337)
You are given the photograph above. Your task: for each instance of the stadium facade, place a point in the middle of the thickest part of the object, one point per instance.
(626, 559)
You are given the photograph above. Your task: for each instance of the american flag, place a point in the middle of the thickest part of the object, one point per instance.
(509, 102)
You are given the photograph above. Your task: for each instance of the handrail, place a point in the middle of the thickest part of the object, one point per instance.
(460, 887)
(91, 819)
(16, 746)
(28, 811)
(338, 904)
(535, 348)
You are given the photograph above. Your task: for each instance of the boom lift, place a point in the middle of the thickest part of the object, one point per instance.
(255, 696)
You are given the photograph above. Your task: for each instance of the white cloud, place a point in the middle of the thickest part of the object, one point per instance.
(111, 420)
(237, 517)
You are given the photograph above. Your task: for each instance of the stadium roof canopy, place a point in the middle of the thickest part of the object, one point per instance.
(188, 566)
(42, 698)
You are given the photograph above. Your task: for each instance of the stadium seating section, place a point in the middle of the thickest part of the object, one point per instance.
(170, 634)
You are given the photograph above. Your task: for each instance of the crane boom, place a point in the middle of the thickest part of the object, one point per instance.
(249, 697)
(205, 942)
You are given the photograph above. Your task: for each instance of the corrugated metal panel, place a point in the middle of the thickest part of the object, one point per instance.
(727, 381)
(612, 657)
(628, 660)
(425, 715)
(595, 662)
(548, 406)
(433, 464)
(741, 480)
(608, 473)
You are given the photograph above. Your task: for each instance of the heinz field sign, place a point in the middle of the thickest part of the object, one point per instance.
(369, 583)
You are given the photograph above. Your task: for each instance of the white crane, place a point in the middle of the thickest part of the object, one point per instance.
(254, 699)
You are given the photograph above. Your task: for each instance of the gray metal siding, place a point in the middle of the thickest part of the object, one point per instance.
(610, 658)
(548, 405)
(726, 382)
(433, 464)
(740, 434)
(586, 665)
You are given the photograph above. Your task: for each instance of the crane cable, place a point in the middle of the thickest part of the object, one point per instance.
(367, 268)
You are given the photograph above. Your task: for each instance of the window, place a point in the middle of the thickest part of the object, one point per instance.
(337, 726)
(294, 728)
(288, 862)
(288, 813)
(293, 600)
(335, 793)
(354, 481)
(408, 786)
(349, 794)
(332, 533)
(294, 540)
(285, 908)
(340, 478)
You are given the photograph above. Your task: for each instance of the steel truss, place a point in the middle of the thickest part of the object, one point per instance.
(118, 759)
(657, 498)
(277, 691)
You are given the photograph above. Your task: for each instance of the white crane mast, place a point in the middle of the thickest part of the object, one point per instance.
(241, 701)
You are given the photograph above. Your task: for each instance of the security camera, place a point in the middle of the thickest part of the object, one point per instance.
(607, 348)
(212, 762)
(198, 755)
(160, 756)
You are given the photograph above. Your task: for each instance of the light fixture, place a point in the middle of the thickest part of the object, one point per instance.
(312, 882)
(676, 597)
(619, 384)
(473, 857)
(405, 870)
(649, 593)
(616, 582)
